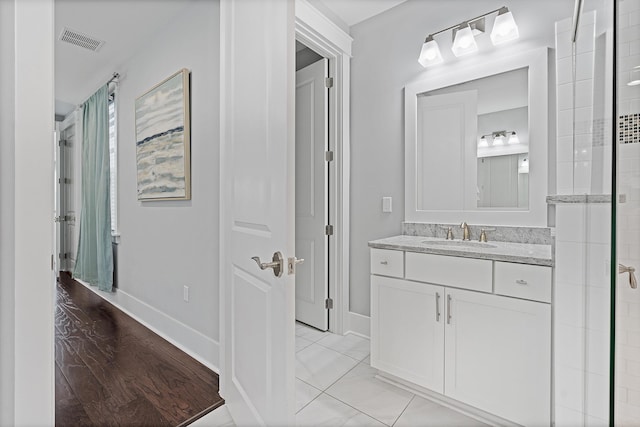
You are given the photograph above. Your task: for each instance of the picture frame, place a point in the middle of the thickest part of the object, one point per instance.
(163, 140)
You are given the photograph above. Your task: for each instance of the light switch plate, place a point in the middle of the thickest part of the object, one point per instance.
(386, 204)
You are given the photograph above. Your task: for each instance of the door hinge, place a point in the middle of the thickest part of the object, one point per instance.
(328, 156)
(63, 142)
(328, 82)
(328, 230)
(64, 180)
(328, 304)
(64, 255)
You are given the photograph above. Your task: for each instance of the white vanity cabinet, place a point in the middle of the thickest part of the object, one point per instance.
(451, 334)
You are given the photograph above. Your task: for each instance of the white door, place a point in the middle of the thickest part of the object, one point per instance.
(312, 195)
(451, 164)
(66, 215)
(407, 330)
(257, 171)
(497, 355)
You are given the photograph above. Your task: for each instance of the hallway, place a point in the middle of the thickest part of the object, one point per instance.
(111, 370)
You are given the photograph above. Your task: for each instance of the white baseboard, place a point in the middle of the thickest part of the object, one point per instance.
(359, 325)
(197, 345)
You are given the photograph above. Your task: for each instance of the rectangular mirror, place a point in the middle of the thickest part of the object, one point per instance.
(470, 138)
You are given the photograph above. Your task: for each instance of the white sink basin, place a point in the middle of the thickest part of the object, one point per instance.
(459, 244)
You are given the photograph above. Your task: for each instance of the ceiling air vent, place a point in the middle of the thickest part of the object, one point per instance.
(80, 39)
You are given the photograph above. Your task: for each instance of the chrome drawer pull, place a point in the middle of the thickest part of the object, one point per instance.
(437, 307)
(448, 309)
(522, 282)
(384, 262)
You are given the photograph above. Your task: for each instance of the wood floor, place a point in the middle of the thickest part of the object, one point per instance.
(111, 370)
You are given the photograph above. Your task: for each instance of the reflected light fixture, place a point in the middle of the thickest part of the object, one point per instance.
(498, 139)
(513, 138)
(430, 53)
(464, 36)
(504, 27)
(464, 42)
(483, 141)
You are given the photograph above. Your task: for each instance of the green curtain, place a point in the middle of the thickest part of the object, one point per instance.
(94, 261)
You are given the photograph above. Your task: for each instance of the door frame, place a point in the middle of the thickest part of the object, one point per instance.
(320, 34)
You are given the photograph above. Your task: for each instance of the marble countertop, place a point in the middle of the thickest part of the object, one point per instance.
(523, 253)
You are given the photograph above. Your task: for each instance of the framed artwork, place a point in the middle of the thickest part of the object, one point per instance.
(163, 140)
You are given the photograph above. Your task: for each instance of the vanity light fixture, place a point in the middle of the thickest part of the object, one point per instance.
(430, 53)
(504, 27)
(464, 42)
(464, 34)
(483, 141)
(498, 138)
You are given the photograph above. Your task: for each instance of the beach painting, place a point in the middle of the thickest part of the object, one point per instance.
(163, 140)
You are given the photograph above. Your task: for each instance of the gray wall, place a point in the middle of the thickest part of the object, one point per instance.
(385, 59)
(7, 184)
(166, 245)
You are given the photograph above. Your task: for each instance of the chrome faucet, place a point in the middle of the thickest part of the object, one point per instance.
(465, 231)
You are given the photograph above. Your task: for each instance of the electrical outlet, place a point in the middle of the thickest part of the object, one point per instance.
(386, 204)
(185, 294)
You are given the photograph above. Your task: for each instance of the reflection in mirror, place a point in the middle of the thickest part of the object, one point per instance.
(472, 142)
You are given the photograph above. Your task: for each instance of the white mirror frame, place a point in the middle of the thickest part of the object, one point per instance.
(536, 216)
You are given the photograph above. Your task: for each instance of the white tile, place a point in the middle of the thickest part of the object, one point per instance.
(584, 120)
(327, 411)
(423, 413)
(599, 224)
(564, 70)
(568, 304)
(570, 262)
(569, 346)
(569, 388)
(219, 417)
(583, 147)
(584, 93)
(564, 46)
(302, 343)
(566, 417)
(564, 177)
(375, 398)
(599, 307)
(598, 352)
(565, 96)
(350, 345)
(305, 393)
(586, 38)
(565, 149)
(582, 177)
(565, 123)
(309, 333)
(598, 396)
(584, 66)
(599, 263)
(564, 25)
(570, 222)
(320, 366)
(596, 422)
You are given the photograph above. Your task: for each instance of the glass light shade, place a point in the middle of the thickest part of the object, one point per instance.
(430, 53)
(498, 140)
(513, 139)
(464, 41)
(483, 142)
(504, 28)
(523, 167)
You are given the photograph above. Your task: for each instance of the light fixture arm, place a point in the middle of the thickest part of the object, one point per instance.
(468, 21)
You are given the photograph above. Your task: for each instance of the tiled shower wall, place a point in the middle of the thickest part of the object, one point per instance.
(582, 282)
(628, 218)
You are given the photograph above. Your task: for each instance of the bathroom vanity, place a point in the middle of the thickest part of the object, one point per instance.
(465, 322)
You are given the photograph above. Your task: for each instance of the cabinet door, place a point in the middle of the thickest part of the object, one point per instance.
(498, 355)
(407, 330)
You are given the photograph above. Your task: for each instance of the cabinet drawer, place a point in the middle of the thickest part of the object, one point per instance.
(531, 282)
(466, 273)
(387, 263)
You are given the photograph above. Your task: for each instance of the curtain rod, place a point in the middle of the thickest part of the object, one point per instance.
(114, 79)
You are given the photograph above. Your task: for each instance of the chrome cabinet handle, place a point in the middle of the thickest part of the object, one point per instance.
(632, 277)
(437, 307)
(448, 309)
(384, 262)
(291, 264)
(277, 263)
(522, 282)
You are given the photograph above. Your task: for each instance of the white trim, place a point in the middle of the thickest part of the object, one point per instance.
(359, 325)
(197, 345)
(320, 34)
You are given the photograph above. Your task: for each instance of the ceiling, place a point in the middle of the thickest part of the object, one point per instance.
(124, 25)
(355, 11)
(127, 25)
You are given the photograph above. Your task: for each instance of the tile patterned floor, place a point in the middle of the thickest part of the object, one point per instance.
(336, 386)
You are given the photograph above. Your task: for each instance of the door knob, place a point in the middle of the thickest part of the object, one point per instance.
(292, 262)
(277, 263)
